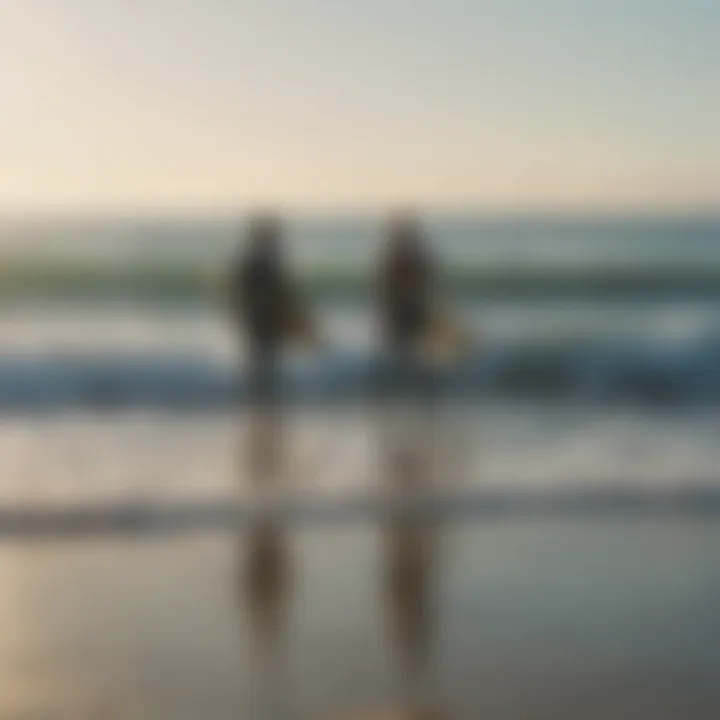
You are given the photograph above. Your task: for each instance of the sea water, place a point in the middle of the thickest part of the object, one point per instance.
(597, 365)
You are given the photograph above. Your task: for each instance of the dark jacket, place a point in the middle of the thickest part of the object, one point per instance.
(406, 288)
(258, 296)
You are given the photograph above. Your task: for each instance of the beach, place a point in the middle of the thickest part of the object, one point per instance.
(567, 566)
(515, 614)
(565, 619)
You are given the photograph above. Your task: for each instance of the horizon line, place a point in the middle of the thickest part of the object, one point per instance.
(334, 211)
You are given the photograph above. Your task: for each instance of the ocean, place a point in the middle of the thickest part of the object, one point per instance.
(127, 312)
(571, 573)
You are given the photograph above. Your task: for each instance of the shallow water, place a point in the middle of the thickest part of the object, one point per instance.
(118, 457)
(526, 616)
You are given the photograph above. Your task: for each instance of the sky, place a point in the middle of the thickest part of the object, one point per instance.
(117, 104)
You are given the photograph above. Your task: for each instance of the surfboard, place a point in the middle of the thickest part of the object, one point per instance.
(301, 331)
(446, 339)
(299, 327)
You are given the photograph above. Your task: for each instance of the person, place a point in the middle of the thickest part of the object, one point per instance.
(405, 295)
(265, 307)
(258, 288)
(407, 277)
(416, 324)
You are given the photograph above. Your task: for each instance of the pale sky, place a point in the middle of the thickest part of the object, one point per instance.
(118, 104)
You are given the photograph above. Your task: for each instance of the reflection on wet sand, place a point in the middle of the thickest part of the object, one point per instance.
(410, 575)
(266, 563)
(410, 567)
(266, 586)
(410, 589)
(410, 563)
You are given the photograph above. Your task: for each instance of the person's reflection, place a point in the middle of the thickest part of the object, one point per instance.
(410, 575)
(265, 576)
(410, 583)
(266, 584)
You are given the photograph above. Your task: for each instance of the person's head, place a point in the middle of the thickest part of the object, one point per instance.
(264, 233)
(403, 233)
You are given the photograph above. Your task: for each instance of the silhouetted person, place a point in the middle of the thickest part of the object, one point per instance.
(258, 287)
(407, 276)
(257, 294)
(266, 305)
(406, 279)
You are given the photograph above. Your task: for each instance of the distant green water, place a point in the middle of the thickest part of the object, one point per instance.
(197, 282)
(180, 259)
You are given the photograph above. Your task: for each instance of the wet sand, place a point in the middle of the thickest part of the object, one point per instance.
(528, 617)
(598, 619)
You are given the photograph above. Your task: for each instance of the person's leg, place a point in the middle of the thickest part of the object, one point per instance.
(263, 373)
